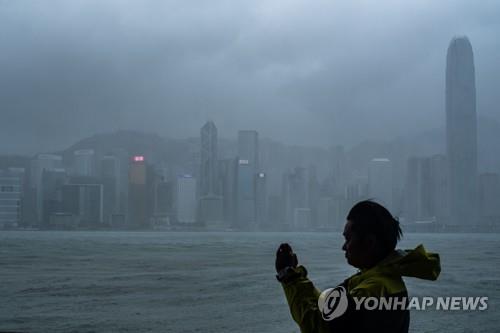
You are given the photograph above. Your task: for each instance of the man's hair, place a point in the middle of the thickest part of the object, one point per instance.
(368, 217)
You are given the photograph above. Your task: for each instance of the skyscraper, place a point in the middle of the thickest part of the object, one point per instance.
(248, 147)
(229, 170)
(208, 172)
(186, 199)
(109, 179)
(261, 199)
(210, 209)
(84, 202)
(248, 166)
(426, 189)
(461, 132)
(84, 162)
(11, 196)
(52, 182)
(139, 196)
(38, 165)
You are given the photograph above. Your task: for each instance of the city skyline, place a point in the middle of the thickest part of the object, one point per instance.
(251, 183)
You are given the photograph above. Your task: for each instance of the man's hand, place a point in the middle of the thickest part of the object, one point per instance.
(285, 257)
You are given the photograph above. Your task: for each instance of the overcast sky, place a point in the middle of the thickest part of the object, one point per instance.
(302, 72)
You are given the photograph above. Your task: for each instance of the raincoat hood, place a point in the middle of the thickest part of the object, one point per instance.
(386, 277)
(413, 263)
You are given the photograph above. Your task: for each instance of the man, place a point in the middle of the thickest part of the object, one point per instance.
(371, 234)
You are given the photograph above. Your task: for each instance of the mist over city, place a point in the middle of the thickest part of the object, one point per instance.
(321, 73)
(149, 138)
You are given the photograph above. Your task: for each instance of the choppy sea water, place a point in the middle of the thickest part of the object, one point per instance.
(210, 282)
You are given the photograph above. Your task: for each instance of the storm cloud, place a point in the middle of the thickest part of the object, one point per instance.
(302, 72)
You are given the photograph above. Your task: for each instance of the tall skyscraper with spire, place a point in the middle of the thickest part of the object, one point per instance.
(210, 209)
(461, 133)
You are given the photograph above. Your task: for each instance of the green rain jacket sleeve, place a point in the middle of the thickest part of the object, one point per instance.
(302, 299)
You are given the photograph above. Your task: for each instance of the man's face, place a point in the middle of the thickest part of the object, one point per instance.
(357, 251)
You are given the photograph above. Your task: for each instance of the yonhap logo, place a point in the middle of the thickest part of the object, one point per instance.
(333, 302)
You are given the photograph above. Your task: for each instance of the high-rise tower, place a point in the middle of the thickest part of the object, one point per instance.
(210, 205)
(248, 166)
(208, 172)
(461, 132)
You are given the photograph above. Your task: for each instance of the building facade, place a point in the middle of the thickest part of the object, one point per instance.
(248, 167)
(186, 199)
(461, 133)
(11, 197)
(208, 163)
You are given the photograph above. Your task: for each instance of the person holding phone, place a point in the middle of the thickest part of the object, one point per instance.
(371, 234)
